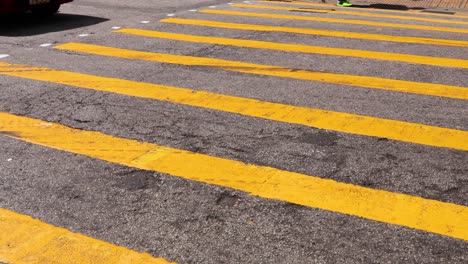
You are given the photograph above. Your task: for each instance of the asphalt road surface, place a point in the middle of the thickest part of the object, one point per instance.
(233, 132)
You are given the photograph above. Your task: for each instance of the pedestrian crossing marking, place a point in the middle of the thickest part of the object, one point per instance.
(319, 32)
(33, 239)
(27, 240)
(267, 182)
(284, 8)
(314, 118)
(334, 20)
(397, 57)
(431, 89)
(460, 15)
(363, 14)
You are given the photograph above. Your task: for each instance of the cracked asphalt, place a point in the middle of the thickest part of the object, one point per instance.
(192, 222)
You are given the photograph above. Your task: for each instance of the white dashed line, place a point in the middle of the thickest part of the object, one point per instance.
(170, 15)
(46, 45)
(83, 35)
(4, 56)
(116, 27)
(193, 10)
(144, 22)
(212, 6)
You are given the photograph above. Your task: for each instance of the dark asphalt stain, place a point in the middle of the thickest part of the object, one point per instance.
(322, 138)
(227, 199)
(389, 156)
(89, 113)
(137, 180)
(69, 193)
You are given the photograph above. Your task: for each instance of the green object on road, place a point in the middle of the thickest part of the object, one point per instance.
(344, 3)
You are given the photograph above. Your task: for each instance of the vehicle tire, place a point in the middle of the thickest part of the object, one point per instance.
(46, 10)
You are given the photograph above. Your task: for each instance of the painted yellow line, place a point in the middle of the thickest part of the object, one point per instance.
(27, 240)
(271, 7)
(427, 60)
(373, 10)
(334, 20)
(267, 182)
(277, 71)
(362, 14)
(315, 118)
(320, 32)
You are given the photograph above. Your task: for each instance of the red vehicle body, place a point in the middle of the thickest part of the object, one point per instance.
(37, 6)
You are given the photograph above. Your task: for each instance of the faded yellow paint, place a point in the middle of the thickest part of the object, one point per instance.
(319, 32)
(393, 208)
(363, 14)
(27, 240)
(335, 20)
(369, 8)
(317, 118)
(276, 71)
(427, 60)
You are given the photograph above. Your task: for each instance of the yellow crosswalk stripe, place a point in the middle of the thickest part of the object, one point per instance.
(27, 240)
(319, 32)
(315, 118)
(363, 14)
(393, 208)
(276, 71)
(457, 14)
(427, 60)
(334, 20)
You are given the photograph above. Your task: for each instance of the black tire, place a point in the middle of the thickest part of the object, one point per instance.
(47, 10)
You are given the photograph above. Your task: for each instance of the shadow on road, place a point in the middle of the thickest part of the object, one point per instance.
(21, 25)
(387, 6)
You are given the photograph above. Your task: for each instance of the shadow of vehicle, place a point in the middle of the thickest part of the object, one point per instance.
(403, 8)
(387, 6)
(21, 25)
